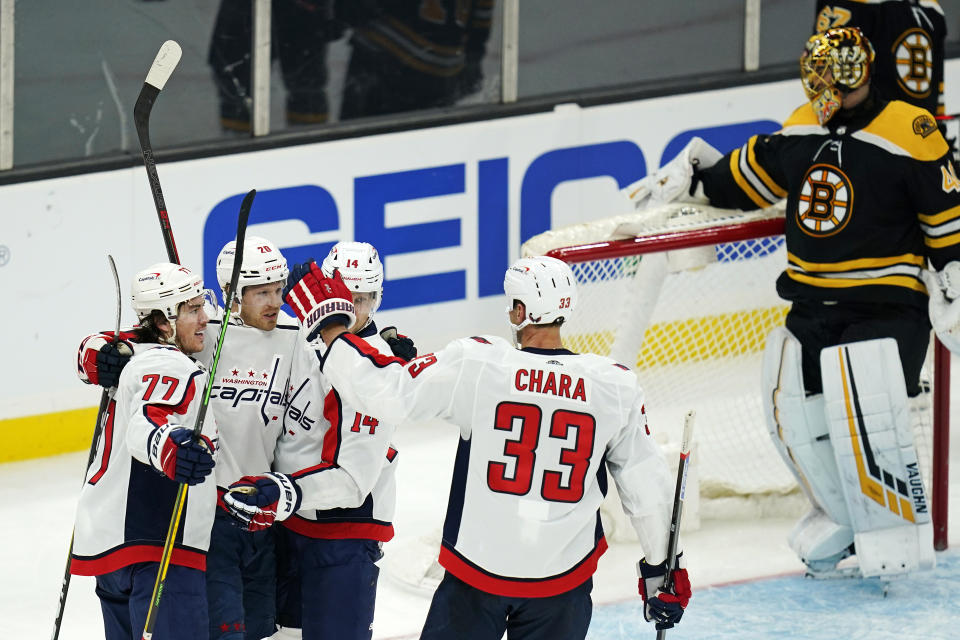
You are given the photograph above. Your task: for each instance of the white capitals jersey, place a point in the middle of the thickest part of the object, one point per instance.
(248, 392)
(539, 429)
(126, 503)
(342, 458)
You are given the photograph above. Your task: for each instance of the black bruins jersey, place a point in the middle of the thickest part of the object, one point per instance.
(430, 36)
(907, 37)
(870, 196)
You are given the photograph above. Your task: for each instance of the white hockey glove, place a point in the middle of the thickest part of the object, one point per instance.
(671, 183)
(944, 290)
(256, 502)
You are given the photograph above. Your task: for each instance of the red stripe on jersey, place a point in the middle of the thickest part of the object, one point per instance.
(107, 443)
(514, 588)
(480, 340)
(331, 439)
(88, 361)
(158, 413)
(125, 556)
(370, 351)
(391, 453)
(339, 530)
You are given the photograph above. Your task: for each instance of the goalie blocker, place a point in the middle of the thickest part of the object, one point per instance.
(852, 452)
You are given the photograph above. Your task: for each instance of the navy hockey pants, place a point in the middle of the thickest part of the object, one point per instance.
(338, 586)
(125, 597)
(241, 582)
(461, 612)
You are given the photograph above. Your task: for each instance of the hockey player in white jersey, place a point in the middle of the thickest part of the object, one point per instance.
(247, 397)
(540, 428)
(339, 463)
(147, 449)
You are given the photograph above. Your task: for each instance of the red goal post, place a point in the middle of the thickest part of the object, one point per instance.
(685, 294)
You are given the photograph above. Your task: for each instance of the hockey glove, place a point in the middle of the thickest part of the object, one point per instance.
(944, 309)
(175, 453)
(673, 182)
(101, 358)
(665, 608)
(111, 359)
(256, 502)
(400, 345)
(318, 300)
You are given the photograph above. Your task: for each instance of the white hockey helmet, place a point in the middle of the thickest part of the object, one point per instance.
(359, 266)
(546, 286)
(163, 287)
(262, 263)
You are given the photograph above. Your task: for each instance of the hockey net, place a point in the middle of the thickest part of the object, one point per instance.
(686, 295)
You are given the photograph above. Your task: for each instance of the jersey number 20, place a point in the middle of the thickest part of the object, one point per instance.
(524, 451)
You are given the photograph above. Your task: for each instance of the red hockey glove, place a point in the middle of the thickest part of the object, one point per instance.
(256, 502)
(318, 300)
(175, 453)
(665, 608)
(101, 358)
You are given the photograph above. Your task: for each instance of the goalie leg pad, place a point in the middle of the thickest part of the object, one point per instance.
(869, 420)
(797, 426)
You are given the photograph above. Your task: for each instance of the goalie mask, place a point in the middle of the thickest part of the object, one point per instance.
(546, 287)
(833, 64)
(360, 267)
(262, 263)
(163, 287)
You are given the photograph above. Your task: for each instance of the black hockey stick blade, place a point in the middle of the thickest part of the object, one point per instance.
(160, 71)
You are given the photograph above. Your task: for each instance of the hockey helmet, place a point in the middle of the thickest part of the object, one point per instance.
(361, 270)
(546, 286)
(262, 263)
(833, 63)
(163, 287)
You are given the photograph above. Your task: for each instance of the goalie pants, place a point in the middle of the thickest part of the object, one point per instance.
(337, 582)
(817, 325)
(461, 612)
(125, 597)
(241, 581)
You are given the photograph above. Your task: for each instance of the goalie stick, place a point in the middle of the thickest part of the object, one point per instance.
(97, 430)
(163, 65)
(154, 608)
(678, 496)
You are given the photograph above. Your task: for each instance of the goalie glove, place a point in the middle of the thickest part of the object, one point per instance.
(400, 345)
(256, 502)
(665, 608)
(944, 309)
(318, 300)
(674, 182)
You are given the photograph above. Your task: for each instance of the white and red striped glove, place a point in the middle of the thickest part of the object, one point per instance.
(256, 502)
(318, 300)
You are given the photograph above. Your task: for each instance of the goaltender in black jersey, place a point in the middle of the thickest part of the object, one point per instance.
(872, 204)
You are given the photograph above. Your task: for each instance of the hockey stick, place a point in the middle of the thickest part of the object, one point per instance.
(198, 426)
(97, 430)
(678, 496)
(163, 65)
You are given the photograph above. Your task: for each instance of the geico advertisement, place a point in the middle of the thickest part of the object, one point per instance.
(447, 208)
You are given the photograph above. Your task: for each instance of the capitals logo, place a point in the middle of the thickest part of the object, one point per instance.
(241, 384)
